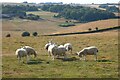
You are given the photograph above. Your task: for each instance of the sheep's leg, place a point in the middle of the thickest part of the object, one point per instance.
(96, 57)
(28, 58)
(71, 51)
(53, 57)
(49, 54)
(65, 56)
(80, 58)
(84, 57)
(19, 59)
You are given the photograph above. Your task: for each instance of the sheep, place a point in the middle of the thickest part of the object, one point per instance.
(68, 47)
(55, 50)
(21, 53)
(25, 51)
(61, 51)
(88, 51)
(47, 45)
(30, 51)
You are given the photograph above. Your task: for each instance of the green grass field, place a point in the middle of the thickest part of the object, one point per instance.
(43, 66)
(105, 67)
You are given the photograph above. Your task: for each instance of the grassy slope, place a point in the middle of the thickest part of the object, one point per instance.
(106, 43)
(84, 27)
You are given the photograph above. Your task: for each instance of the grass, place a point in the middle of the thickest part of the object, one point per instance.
(44, 67)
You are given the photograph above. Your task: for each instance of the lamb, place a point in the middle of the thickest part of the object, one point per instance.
(68, 47)
(21, 53)
(88, 51)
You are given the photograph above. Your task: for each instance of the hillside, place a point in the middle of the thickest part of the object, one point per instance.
(84, 27)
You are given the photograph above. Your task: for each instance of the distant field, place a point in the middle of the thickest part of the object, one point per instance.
(101, 24)
(47, 25)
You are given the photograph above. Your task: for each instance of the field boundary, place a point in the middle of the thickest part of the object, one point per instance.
(87, 32)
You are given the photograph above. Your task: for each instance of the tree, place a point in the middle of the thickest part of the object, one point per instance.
(96, 28)
(89, 29)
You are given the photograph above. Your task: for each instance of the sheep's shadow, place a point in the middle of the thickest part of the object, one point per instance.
(32, 62)
(68, 59)
(104, 60)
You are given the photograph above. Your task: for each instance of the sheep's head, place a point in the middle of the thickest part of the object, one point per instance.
(35, 54)
(46, 46)
(76, 53)
(79, 54)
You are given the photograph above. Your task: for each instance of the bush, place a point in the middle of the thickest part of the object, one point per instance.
(8, 35)
(89, 29)
(24, 34)
(35, 34)
(67, 24)
(96, 28)
(32, 17)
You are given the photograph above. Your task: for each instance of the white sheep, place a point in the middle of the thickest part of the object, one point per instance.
(55, 50)
(47, 45)
(21, 53)
(30, 51)
(68, 47)
(88, 51)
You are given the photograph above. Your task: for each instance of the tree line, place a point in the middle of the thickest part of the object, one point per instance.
(109, 8)
(83, 14)
(20, 11)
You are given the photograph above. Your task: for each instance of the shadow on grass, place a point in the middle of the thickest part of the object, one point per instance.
(32, 62)
(104, 60)
(68, 59)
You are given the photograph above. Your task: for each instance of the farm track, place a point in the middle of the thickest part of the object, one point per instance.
(88, 32)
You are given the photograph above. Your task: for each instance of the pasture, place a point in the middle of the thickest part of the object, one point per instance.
(44, 67)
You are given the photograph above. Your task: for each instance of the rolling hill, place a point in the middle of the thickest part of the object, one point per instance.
(101, 24)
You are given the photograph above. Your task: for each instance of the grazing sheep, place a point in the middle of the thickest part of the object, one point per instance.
(30, 51)
(68, 47)
(47, 45)
(21, 53)
(88, 51)
(55, 50)
(61, 51)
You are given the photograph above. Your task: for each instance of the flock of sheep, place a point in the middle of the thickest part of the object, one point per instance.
(55, 51)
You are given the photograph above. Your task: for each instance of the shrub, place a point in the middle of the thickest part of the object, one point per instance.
(67, 24)
(89, 29)
(35, 34)
(8, 35)
(32, 17)
(96, 28)
(24, 34)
